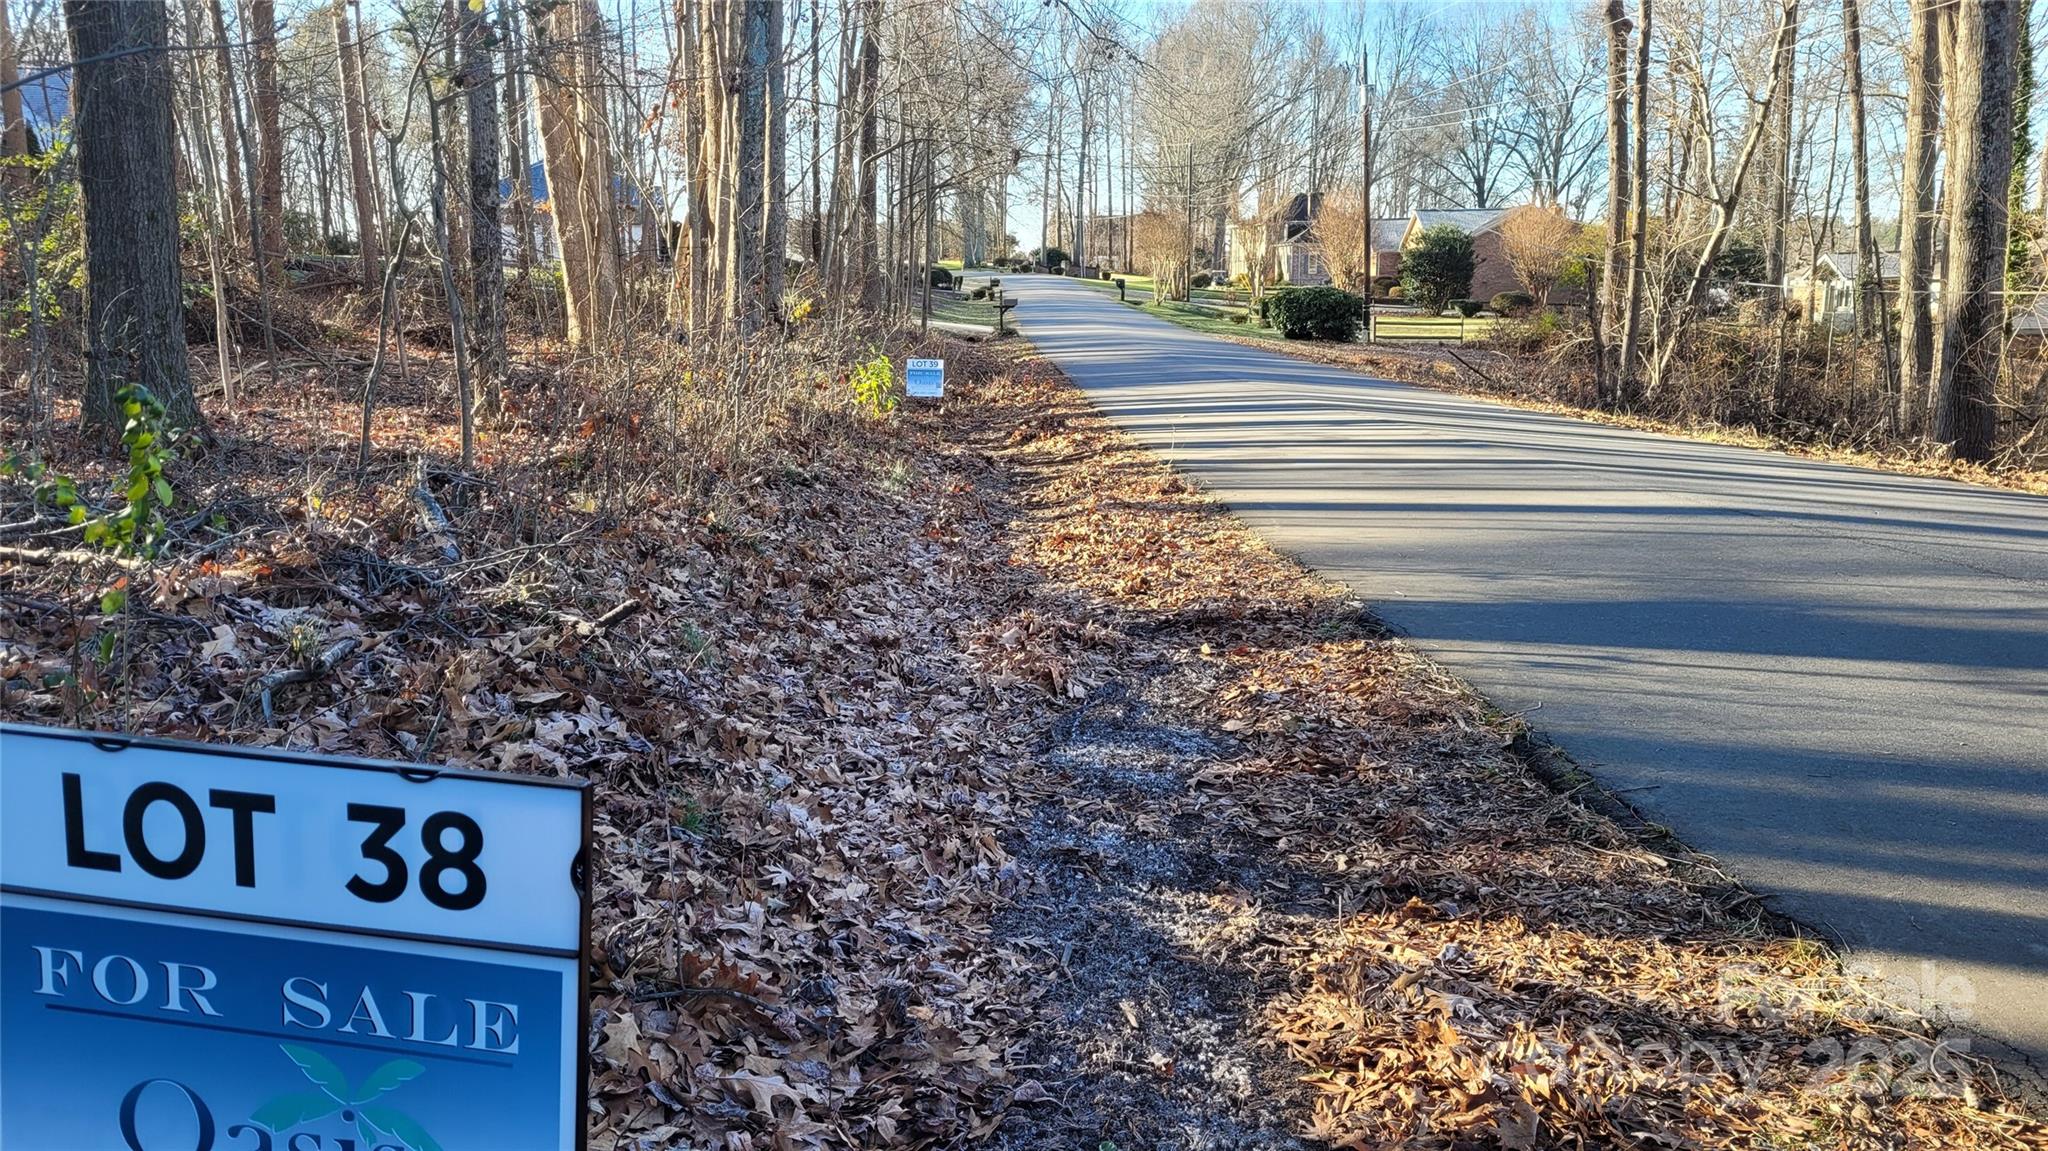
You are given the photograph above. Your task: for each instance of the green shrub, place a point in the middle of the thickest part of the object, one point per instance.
(1512, 303)
(1200, 280)
(1468, 308)
(1437, 268)
(980, 293)
(941, 278)
(1315, 314)
(1266, 307)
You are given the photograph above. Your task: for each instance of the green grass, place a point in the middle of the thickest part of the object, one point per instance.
(1133, 283)
(1450, 327)
(1206, 320)
(964, 311)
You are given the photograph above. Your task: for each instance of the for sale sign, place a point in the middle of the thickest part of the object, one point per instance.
(924, 379)
(211, 948)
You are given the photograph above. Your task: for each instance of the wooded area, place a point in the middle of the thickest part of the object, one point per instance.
(514, 385)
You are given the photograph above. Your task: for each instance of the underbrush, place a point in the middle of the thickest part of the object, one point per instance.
(708, 579)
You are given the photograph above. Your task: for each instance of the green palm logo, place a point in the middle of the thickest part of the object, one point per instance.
(373, 1121)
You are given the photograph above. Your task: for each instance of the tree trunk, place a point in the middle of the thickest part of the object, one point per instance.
(1870, 305)
(486, 236)
(231, 154)
(517, 135)
(1972, 318)
(355, 124)
(579, 171)
(13, 128)
(1613, 274)
(748, 278)
(775, 240)
(816, 248)
(1916, 237)
(1781, 193)
(870, 129)
(262, 33)
(135, 314)
(455, 145)
(1639, 212)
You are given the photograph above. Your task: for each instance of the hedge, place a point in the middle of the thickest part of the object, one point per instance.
(1314, 313)
(1512, 303)
(1468, 308)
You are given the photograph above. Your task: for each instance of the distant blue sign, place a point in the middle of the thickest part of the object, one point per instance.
(924, 379)
(217, 948)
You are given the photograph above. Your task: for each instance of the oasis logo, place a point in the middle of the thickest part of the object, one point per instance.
(382, 1126)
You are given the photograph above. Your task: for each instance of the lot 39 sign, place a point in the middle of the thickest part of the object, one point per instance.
(207, 948)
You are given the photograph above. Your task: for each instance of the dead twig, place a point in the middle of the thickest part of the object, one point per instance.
(434, 519)
(69, 556)
(322, 664)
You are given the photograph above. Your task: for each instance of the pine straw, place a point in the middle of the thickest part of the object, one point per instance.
(814, 753)
(1480, 962)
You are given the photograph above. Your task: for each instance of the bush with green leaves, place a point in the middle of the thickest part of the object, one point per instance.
(1200, 280)
(1315, 314)
(1468, 308)
(874, 385)
(1437, 268)
(1512, 303)
(941, 278)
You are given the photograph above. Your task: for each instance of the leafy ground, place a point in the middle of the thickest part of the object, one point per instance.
(967, 779)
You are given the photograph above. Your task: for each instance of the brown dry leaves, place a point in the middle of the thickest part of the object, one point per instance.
(812, 747)
(1484, 964)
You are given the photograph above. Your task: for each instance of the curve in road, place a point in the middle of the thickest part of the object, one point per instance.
(1832, 679)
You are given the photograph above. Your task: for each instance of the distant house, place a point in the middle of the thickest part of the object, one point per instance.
(1388, 233)
(1280, 244)
(1825, 291)
(1491, 272)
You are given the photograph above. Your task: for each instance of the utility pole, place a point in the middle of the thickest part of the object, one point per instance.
(1365, 284)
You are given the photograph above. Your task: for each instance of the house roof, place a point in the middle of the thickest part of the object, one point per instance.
(1848, 266)
(1470, 221)
(1387, 232)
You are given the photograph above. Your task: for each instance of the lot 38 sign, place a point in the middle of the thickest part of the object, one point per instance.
(206, 948)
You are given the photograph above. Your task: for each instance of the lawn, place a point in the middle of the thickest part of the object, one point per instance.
(961, 310)
(1206, 320)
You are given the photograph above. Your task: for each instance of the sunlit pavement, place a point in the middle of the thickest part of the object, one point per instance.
(1834, 680)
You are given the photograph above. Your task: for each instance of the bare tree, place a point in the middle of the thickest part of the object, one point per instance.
(486, 238)
(1613, 274)
(269, 138)
(355, 125)
(1916, 234)
(1537, 242)
(135, 311)
(1980, 91)
(580, 187)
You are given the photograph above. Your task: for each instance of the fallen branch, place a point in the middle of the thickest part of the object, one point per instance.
(322, 664)
(434, 519)
(68, 555)
(1475, 371)
(605, 622)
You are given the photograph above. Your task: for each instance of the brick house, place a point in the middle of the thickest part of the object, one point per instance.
(1491, 272)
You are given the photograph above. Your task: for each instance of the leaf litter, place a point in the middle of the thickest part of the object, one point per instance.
(970, 779)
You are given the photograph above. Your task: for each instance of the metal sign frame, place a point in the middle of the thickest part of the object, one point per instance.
(577, 1100)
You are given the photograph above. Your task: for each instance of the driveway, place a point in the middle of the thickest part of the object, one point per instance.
(1833, 680)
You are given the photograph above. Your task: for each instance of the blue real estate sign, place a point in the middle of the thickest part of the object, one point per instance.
(211, 948)
(924, 379)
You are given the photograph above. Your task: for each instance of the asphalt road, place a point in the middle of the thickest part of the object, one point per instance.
(1833, 680)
